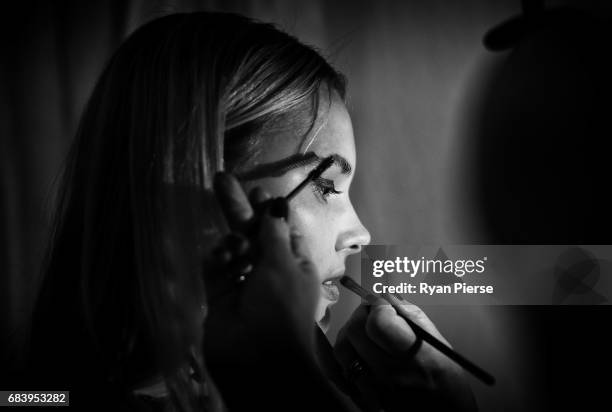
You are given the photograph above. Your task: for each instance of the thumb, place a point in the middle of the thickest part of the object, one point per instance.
(388, 330)
(418, 316)
(274, 239)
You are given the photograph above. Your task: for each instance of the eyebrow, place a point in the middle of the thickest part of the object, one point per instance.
(282, 166)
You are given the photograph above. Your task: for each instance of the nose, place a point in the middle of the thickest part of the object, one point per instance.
(354, 237)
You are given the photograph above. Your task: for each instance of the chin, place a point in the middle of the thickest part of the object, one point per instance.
(324, 315)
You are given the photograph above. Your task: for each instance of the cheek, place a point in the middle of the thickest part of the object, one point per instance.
(315, 223)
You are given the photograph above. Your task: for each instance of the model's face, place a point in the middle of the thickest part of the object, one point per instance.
(322, 213)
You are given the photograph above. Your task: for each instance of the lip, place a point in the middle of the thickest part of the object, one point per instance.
(334, 276)
(331, 291)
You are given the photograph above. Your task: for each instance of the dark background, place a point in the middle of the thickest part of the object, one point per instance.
(417, 74)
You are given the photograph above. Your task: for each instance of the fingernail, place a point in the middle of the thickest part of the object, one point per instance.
(400, 297)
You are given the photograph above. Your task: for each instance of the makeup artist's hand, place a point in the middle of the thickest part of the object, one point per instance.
(259, 337)
(276, 302)
(398, 371)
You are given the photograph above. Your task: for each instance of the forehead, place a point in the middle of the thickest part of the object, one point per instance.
(332, 133)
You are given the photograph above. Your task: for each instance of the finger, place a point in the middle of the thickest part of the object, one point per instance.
(232, 258)
(355, 332)
(384, 367)
(221, 254)
(233, 201)
(298, 244)
(237, 244)
(358, 318)
(343, 350)
(216, 274)
(357, 372)
(258, 196)
(239, 267)
(418, 316)
(279, 207)
(389, 331)
(274, 238)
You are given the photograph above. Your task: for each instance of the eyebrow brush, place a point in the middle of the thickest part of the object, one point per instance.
(279, 206)
(421, 333)
(314, 174)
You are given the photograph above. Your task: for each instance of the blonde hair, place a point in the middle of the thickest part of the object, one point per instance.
(185, 96)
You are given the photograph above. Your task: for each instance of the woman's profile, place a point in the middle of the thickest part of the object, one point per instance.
(170, 285)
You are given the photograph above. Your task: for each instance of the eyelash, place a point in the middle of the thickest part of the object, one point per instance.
(325, 188)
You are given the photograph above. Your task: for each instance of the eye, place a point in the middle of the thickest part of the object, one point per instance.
(325, 188)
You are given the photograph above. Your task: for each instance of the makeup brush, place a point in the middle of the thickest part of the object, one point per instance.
(279, 206)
